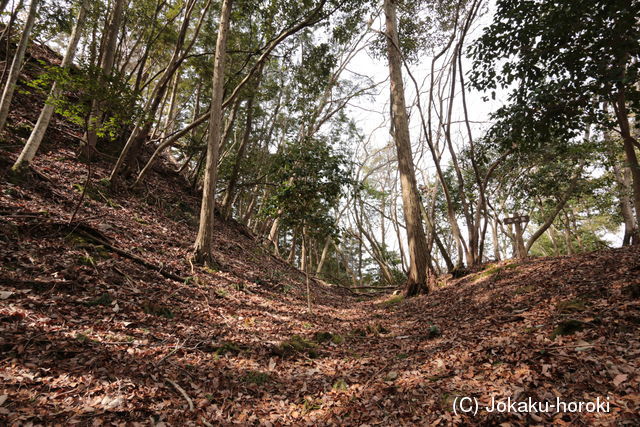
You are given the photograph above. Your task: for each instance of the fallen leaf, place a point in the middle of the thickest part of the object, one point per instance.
(619, 379)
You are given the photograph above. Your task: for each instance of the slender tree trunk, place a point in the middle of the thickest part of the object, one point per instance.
(305, 264)
(549, 220)
(235, 172)
(436, 239)
(345, 264)
(107, 59)
(396, 228)
(567, 238)
(273, 235)
(292, 251)
(626, 207)
(496, 241)
(169, 121)
(135, 142)
(376, 252)
(6, 34)
(204, 240)
(417, 242)
(554, 240)
(632, 160)
(323, 257)
(32, 145)
(248, 213)
(16, 65)
(521, 249)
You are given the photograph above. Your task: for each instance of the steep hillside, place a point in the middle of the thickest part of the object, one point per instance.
(103, 319)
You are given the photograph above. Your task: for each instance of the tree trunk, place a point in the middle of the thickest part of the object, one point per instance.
(233, 179)
(16, 65)
(436, 239)
(135, 142)
(107, 59)
(417, 242)
(169, 121)
(32, 145)
(496, 241)
(549, 220)
(273, 234)
(626, 208)
(292, 251)
(632, 160)
(6, 34)
(204, 240)
(554, 240)
(323, 257)
(305, 266)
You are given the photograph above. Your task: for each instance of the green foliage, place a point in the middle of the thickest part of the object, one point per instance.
(322, 336)
(257, 377)
(79, 88)
(222, 293)
(337, 339)
(104, 299)
(311, 178)
(86, 260)
(394, 300)
(340, 385)
(572, 305)
(434, 331)
(228, 348)
(567, 327)
(158, 310)
(423, 27)
(560, 61)
(54, 18)
(296, 345)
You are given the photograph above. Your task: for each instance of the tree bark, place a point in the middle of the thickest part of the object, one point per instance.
(169, 121)
(31, 147)
(204, 240)
(626, 208)
(632, 161)
(305, 266)
(496, 241)
(323, 256)
(417, 242)
(559, 206)
(233, 179)
(134, 144)
(107, 59)
(16, 65)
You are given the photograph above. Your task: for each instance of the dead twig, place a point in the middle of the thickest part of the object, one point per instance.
(171, 353)
(182, 392)
(92, 234)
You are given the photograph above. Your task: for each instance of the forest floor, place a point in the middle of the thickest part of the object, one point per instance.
(89, 334)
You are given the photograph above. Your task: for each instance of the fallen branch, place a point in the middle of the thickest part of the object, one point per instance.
(367, 294)
(380, 289)
(182, 392)
(92, 234)
(172, 352)
(370, 287)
